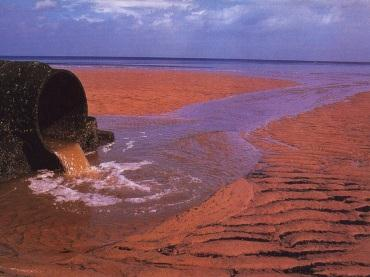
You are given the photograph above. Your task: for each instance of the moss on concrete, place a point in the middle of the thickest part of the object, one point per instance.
(38, 102)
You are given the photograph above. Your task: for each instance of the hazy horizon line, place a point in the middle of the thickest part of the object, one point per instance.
(179, 58)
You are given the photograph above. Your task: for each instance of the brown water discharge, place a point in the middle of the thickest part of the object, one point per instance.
(71, 156)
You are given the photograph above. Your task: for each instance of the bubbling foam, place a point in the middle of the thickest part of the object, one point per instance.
(96, 188)
(129, 145)
(46, 182)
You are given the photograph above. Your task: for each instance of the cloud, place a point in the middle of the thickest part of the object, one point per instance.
(45, 4)
(117, 5)
(227, 15)
(123, 6)
(297, 17)
(197, 28)
(165, 21)
(88, 19)
(265, 15)
(153, 12)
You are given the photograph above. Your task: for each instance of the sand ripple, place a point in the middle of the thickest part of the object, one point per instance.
(303, 211)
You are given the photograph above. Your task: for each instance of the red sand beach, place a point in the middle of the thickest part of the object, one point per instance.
(143, 92)
(304, 209)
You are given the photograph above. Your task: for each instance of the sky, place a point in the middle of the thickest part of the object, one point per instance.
(333, 30)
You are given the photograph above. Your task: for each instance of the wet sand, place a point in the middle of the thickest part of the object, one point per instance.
(303, 210)
(145, 92)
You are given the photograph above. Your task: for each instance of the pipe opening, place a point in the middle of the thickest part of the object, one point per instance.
(62, 107)
(43, 119)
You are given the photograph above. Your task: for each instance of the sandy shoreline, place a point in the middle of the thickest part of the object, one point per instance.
(113, 91)
(303, 210)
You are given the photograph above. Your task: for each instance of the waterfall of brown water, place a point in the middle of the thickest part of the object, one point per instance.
(71, 156)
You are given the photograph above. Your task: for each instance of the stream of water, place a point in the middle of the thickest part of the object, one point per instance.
(171, 161)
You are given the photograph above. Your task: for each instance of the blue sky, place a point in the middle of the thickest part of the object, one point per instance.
(255, 29)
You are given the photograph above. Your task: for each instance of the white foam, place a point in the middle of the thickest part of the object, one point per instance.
(157, 196)
(143, 135)
(195, 180)
(46, 183)
(108, 147)
(90, 153)
(129, 145)
(65, 194)
(115, 175)
(111, 178)
(123, 166)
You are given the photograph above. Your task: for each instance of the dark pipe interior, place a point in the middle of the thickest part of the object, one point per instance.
(40, 106)
(62, 106)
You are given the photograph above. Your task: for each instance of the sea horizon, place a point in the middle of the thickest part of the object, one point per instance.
(47, 58)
